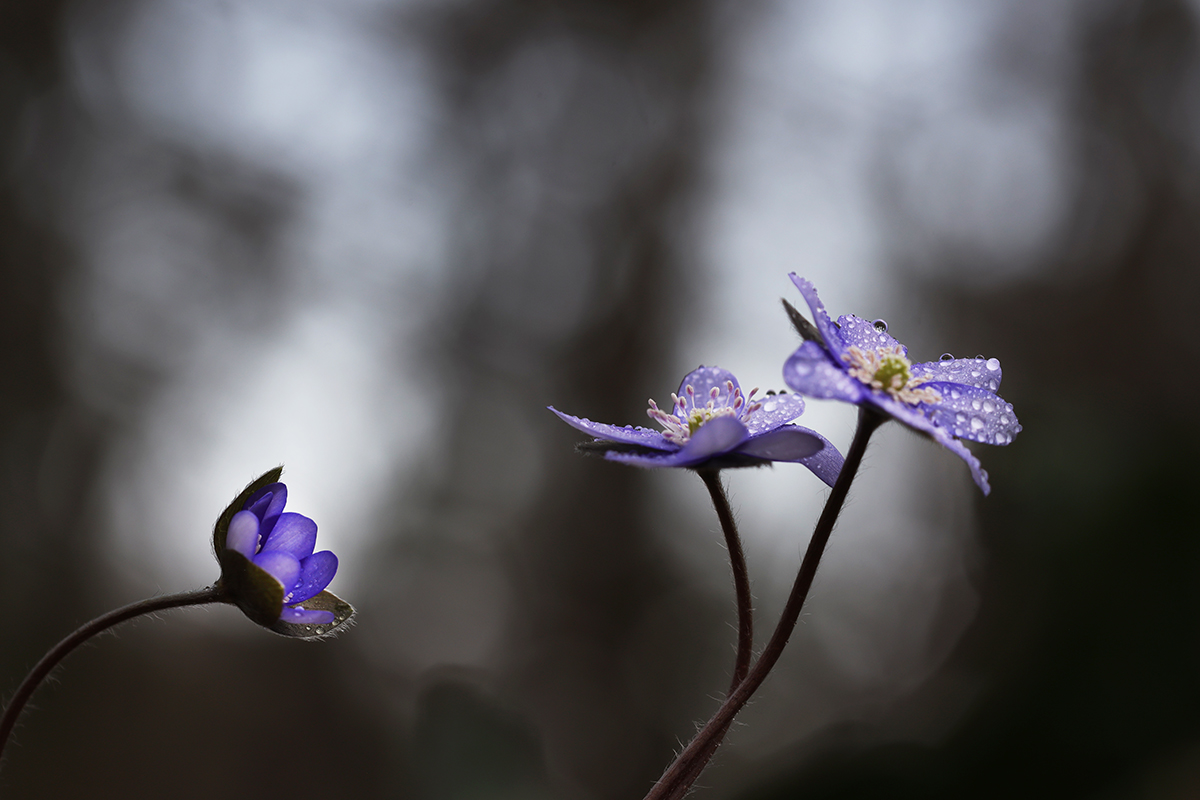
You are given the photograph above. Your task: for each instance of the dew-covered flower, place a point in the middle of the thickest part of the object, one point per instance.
(857, 361)
(281, 544)
(712, 423)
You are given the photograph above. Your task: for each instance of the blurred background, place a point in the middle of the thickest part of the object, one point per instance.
(372, 240)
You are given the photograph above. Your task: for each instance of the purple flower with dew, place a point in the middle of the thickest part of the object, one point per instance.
(281, 543)
(711, 423)
(858, 362)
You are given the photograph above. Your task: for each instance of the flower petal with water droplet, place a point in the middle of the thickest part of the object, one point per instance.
(967, 371)
(811, 372)
(988, 418)
(776, 410)
(643, 437)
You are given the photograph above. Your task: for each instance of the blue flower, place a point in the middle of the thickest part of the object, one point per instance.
(711, 423)
(858, 362)
(279, 543)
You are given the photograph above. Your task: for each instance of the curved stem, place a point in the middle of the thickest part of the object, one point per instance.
(741, 586)
(213, 594)
(683, 772)
(741, 577)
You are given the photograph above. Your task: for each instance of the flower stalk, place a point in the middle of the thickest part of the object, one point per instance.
(213, 594)
(741, 576)
(683, 772)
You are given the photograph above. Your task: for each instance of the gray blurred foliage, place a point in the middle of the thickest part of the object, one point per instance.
(575, 138)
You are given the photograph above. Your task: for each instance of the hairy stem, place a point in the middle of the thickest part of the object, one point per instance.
(741, 586)
(213, 594)
(741, 577)
(683, 772)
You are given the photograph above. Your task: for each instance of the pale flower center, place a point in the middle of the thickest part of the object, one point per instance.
(886, 369)
(689, 417)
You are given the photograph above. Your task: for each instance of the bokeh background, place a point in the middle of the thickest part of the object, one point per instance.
(372, 239)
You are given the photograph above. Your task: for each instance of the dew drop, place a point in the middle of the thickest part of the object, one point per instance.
(880, 325)
(989, 406)
(1003, 420)
(770, 405)
(947, 357)
(955, 394)
(993, 385)
(978, 357)
(976, 424)
(975, 404)
(993, 364)
(974, 373)
(960, 417)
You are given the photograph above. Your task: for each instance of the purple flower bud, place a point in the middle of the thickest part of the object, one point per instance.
(269, 566)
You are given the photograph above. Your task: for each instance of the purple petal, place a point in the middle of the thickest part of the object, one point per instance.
(316, 572)
(833, 338)
(703, 380)
(283, 567)
(295, 534)
(789, 443)
(776, 410)
(861, 332)
(643, 437)
(243, 533)
(268, 503)
(810, 371)
(978, 473)
(916, 419)
(970, 413)
(717, 436)
(304, 616)
(826, 464)
(978, 372)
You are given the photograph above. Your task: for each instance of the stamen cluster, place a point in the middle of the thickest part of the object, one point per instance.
(688, 417)
(887, 369)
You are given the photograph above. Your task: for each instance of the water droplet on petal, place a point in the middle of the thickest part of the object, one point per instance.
(880, 325)
(975, 404)
(974, 373)
(960, 417)
(976, 424)
(947, 357)
(978, 357)
(993, 364)
(955, 394)
(989, 406)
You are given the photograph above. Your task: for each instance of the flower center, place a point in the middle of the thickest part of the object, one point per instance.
(887, 370)
(689, 416)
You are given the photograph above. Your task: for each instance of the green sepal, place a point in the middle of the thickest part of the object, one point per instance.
(808, 332)
(221, 529)
(325, 601)
(254, 590)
